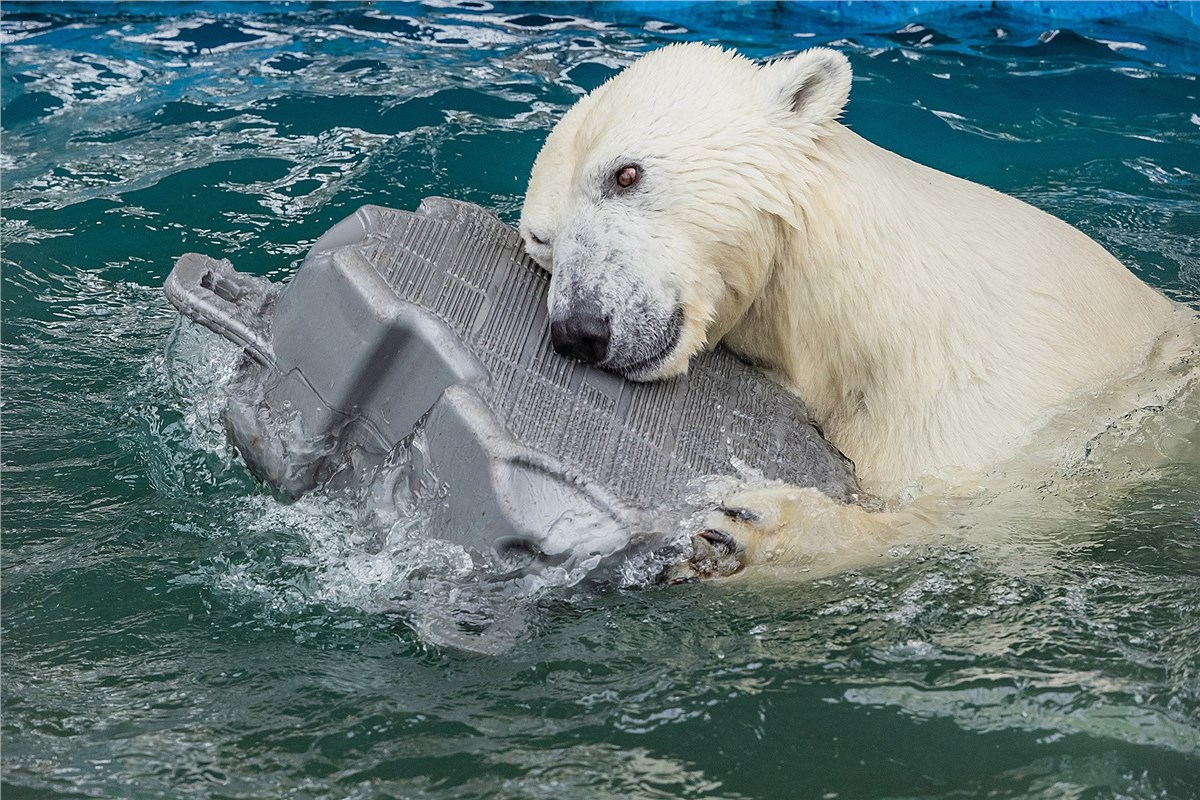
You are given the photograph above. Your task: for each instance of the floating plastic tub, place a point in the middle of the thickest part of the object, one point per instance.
(418, 343)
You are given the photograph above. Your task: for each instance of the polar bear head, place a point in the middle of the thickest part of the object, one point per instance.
(659, 201)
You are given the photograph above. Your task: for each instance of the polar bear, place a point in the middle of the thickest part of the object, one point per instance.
(931, 324)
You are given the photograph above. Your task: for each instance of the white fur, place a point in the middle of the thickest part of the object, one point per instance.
(930, 323)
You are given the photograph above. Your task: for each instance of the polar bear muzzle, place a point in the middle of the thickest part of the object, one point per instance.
(632, 340)
(642, 357)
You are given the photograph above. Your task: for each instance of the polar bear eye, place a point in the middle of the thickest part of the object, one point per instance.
(533, 237)
(626, 176)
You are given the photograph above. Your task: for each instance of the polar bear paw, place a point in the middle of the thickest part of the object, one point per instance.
(783, 525)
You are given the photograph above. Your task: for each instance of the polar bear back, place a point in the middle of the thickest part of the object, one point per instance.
(933, 321)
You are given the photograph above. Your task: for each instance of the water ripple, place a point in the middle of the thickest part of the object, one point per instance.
(173, 629)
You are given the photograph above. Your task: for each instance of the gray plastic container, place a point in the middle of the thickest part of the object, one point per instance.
(436, 321)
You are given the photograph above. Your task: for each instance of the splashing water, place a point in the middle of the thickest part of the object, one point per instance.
(367, 538)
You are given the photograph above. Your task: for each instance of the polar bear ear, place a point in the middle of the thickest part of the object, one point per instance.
(814, 85)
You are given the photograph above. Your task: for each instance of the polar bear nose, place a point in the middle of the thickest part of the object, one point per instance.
(584, 336)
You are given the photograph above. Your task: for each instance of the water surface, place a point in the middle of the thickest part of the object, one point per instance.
(172, 629)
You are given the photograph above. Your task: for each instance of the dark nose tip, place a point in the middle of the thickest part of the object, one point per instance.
(583, 336)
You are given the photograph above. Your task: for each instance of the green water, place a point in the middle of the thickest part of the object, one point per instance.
(171, 629)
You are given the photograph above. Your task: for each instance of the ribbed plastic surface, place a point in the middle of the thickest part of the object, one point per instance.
(463, 265)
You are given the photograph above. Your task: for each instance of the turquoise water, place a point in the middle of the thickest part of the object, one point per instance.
(171, 629)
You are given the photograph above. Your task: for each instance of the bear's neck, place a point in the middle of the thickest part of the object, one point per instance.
(929, 322)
